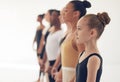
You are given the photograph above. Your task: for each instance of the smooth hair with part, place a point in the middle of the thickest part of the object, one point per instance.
(98, 21)
(81, 6)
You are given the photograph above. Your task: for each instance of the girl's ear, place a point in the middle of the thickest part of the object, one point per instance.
(76, 14)
(93, 33)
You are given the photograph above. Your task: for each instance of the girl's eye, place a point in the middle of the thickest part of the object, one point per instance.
(65, 10)
(78, 28)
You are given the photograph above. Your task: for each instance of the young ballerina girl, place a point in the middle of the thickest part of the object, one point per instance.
(89, 30)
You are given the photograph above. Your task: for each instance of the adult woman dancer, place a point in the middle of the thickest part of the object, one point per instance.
(73, 11)
(37, 39)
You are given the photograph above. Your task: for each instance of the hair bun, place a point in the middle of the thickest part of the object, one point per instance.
(104, 18)
(86, 4)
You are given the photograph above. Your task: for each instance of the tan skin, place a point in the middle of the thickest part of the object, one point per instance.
(39, 19)
(89, 38)
(47, 18)
(56, 27)
(52, 30)
(58, 75)
(42, 62)
(71, 24)
(70, 18)
(41, 27)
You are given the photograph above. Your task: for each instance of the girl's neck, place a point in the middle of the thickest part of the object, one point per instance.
(41, 25)
(54, 29)
(91, 47)
(71, 26)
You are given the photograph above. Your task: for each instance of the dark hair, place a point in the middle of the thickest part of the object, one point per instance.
(50, 11)
(41, 15)
(98, 21)
(56, 20)
(58, 12)
(81, 6)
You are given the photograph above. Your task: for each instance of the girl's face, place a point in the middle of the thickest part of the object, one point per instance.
(39, 19)
(68, 12)
(61, 16)
(47, 16)
(83, 33)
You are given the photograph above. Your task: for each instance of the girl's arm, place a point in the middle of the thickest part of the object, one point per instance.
(92, 68)
(73, 79)
(56, 65)
(41, 45)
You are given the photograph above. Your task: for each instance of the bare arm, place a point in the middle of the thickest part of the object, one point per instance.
(73, 79)
(41, 45)
(57, 62)
(56, 65)
(92, 68)
(45, 57)
(42, 62)
(58, 76)
(34, 39)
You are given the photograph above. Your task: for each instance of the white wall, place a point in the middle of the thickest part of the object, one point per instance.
(18, 25)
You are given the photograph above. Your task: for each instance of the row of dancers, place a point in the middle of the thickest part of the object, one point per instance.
(73, 55)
